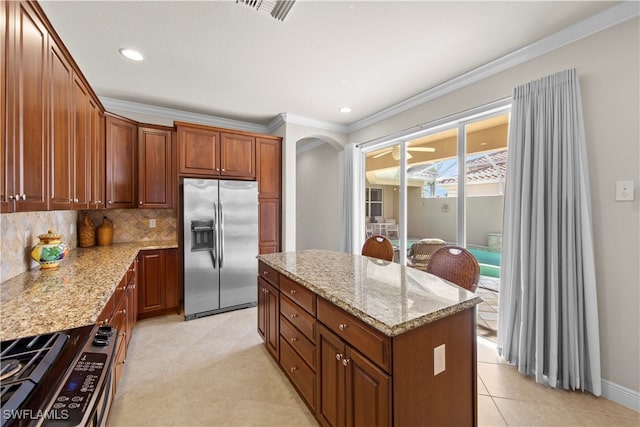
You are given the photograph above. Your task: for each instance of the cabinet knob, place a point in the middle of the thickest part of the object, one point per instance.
(99, 201)
(265, 272)
(293, 369)
(140, 202)
(110, 202)
(292, 291)
(223, 169)
(11, 197)
(342, 326)
(294, 339)
(266, 291)
(24, 197)
(339, 356)
(346, 362)
(293, 315)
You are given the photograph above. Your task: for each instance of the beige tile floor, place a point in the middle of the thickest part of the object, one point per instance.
(215, 371)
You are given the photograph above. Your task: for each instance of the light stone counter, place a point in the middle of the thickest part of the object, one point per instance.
(390, 297)
(41, 301)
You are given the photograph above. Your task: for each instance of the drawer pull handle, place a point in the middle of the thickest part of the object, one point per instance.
(265, 272)
(293, 315)
(342, 326)
(339, 356)
(294, 339)
(293, 368)
(292, 291)
(346, 362)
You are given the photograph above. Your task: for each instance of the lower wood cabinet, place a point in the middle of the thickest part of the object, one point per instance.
(352, 390)
(120, 313)
(158, 290)
(268, 316)
(351, 374)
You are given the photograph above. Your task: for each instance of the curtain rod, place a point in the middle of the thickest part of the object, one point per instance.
(466, 115)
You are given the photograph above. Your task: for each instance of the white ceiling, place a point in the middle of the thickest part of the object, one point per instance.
(224, 59)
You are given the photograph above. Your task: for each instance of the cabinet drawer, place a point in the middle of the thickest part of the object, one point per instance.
(297, 316)
(298, 293)
(269, 274)
(302, 377)
(373, 344)
(305, 348)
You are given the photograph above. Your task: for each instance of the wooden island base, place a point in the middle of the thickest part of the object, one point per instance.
(351, 373)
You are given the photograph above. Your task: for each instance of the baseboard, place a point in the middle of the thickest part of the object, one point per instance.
(622, 395)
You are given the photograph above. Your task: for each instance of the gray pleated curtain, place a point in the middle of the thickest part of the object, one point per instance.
(548, 322)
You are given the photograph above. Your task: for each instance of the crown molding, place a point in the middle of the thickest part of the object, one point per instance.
(180, 115)
(601, 21)
(295, 119)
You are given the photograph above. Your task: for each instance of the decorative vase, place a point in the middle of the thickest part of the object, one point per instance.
(105, 232)
(86, 232)
(49, 251)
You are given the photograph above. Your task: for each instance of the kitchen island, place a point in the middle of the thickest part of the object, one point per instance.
(73, 295)
(368, 342)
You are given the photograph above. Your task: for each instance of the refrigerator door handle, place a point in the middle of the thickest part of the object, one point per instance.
(214, 251)
(221, 234)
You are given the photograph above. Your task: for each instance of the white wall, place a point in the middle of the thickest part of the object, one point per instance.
(317, 194)
(608, 66)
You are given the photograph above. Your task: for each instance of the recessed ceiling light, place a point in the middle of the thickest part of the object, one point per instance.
(134, 55)
(345, 110)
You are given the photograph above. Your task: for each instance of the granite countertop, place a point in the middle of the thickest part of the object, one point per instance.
(388, 296)
(73, 295)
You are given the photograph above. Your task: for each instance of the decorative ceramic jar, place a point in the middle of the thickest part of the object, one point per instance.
(49, 251)
(104, 232)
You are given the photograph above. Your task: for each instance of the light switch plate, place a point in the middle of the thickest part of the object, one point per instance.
(624, 190)
(439, 364)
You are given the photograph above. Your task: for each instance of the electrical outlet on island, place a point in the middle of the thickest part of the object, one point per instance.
(152, 223)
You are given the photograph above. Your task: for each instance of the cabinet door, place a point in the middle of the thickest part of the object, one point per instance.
(268, 160)
(331, 378)
(172, 285)
(368, 392)
(262, 308)
(5, 204)
(269, 225)
(237, 155)
(198, 151)
(273, 321)
(27, 149)
(121, 161)
(154, 167)
(151, 290)
(81, 144)
(97, 154)
(61, 119)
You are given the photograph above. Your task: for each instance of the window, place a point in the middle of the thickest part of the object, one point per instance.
(373, 202)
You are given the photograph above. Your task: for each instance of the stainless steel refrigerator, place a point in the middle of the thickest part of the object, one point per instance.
(220, 244)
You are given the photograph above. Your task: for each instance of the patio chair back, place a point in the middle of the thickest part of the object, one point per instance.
(378, 247)
(421, 251)
(457, 265)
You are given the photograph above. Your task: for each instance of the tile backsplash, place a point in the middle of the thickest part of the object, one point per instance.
(19, 231)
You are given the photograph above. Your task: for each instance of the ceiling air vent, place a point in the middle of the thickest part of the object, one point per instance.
(276, 8)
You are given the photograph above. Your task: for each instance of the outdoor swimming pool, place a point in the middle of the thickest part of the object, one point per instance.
(489, 261)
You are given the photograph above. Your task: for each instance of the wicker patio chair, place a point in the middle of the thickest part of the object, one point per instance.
(457, 265)
(421, 251)
(378, 247)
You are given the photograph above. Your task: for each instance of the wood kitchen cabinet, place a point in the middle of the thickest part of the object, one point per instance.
(205, 151)
(269, 308)
(96, 171)
(269, 170)
(352, 391)
(158, 291)
(155, 171)
(120, 313)
(25, 146)
(121, 162)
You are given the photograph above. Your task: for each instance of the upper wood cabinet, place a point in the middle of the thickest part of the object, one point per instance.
(269, 167)
(45, 124)
(96, 171)
(237, 155)
(25, 149)
(211, 152)
(155, 174)
(121, 162)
